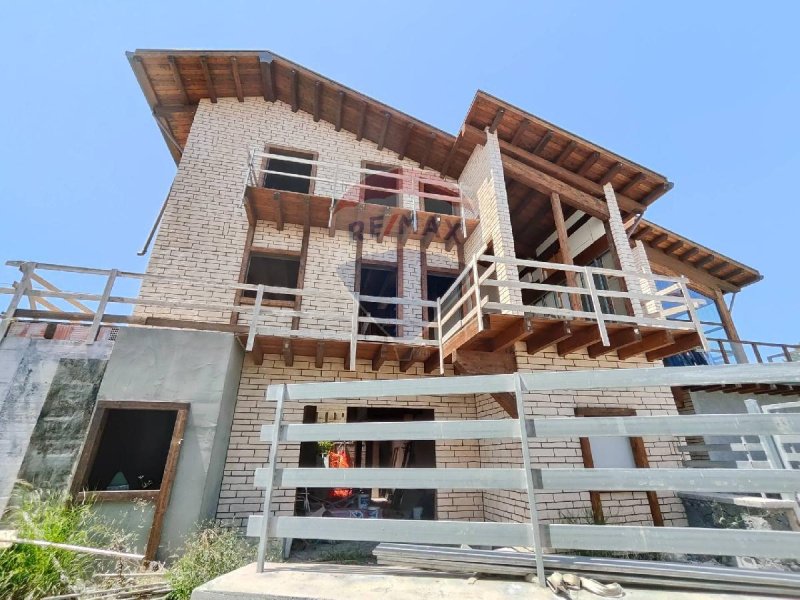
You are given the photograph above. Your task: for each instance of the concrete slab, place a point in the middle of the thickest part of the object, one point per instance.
(314, 581)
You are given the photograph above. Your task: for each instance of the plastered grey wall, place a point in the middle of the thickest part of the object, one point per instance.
(202, 369)
(27, 369)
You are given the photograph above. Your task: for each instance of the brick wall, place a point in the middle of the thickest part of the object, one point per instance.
(246, 452)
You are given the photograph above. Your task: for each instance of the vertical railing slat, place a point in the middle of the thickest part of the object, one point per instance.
(271, 466)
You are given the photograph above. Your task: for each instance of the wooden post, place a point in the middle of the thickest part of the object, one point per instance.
(730, 328)
(21, 289)
(101, 307)
(564, 251)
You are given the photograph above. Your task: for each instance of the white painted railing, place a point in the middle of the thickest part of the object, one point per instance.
(341, 181)
(743, 352)
(471, 293)
(533, 480)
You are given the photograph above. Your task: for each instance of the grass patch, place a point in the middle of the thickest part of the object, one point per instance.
(209, 552)
(33, 572)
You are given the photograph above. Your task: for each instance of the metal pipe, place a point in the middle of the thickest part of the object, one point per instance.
(636, 223)
(153, 229)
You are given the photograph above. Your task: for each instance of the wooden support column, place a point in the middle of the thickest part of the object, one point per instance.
(729, 327)
(563, 245)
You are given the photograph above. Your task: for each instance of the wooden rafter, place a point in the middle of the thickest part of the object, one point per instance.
(176, 75)
(212, 92)
(636, 180)
(689, 254)
(657, 193)
(498, 117)
(673, 248)
(237, 81)
(387, 119)
(562, 158)
(295, 90)
(362, 121)
(407, 362)
(319, 359)
(406, 138)
(380, 357)
(611, 173)
(427, 152)
(542, 144)
(318, 89)
(704, 261)
(449, 158)
(266, 61)
(518, 331)
(517, 137)
(649, 343)
(588, 163)
(658, 239)
(579, 340)
(617, 340)
(339, 110)
(548, 336)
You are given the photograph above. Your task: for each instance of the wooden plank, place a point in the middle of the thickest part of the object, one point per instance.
(396, 530)
(288, 353)
(212, 92)
(521, 129)
(650, 342)
(406, 137)
(170, 470)
(266, 62)
(682, 344)
(665, 425)
(631, 185)
(517, 331)
(617, 340)
(427, 152)
(684, 540)
(548, 336)
(405, 479)
(237, 78)
(579, 340)
(488, 429)
(656, 193)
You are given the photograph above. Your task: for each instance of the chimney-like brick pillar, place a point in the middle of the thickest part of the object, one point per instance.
(623, 247)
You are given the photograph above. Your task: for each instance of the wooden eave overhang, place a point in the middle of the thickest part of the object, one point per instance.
(559, 153)
(174, 82)
(678, 255)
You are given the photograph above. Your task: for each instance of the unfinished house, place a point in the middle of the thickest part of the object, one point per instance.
(314, 233)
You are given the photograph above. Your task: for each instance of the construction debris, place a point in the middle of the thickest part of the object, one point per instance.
(513, 562)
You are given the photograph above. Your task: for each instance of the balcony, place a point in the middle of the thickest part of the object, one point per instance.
(402, 203)
(482, 310)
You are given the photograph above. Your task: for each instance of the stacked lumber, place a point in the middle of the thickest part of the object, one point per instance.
(510, 562)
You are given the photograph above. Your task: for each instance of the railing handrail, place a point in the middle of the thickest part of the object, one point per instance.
(526, 477)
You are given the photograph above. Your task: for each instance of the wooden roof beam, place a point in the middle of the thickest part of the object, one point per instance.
(295, 94)
(588, 163)
(362, 121)
(212, 91)
(407, 362)
(318, 89)
(579, 340)
(449, 158)
(387, 119)
(237, 81)
(380, 356)
(657, 193)
(611, 173)
(689, 254)
(636, 180)
(427, 152)
(406, 138)
(663, 237)
(518, 331)
(266, 62)
(566, 152)
(704, 261)
(339, 110)
(517, 137)
(548, 336)
(652, 342)
(673, 248)
(695, 275)
(319, 359)
(498, 117)
(617, 340)
(176, 76)
(542, 144)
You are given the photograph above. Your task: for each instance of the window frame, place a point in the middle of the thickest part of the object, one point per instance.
(639, 457)
(269, 252)
(160, 496)
(375, 166)
(456, 206)
(277, 149)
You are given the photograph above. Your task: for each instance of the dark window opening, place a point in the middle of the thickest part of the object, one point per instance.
(378, 281)
(278, 271)
(436, 205)
(296, 178)
(383, 189)
(438, 284)
(133, 449)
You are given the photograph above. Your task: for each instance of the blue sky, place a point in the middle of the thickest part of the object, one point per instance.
(704, 92)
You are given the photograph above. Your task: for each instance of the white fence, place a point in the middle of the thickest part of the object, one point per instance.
(530, 478)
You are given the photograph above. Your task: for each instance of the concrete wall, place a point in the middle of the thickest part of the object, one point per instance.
(202, 369)
(28, 368)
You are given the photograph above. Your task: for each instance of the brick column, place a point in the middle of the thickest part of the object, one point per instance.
(483, 180)
(648, 287)
(623, 247)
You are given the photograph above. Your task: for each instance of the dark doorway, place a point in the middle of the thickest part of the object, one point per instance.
(438, 284)
(378, 280)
